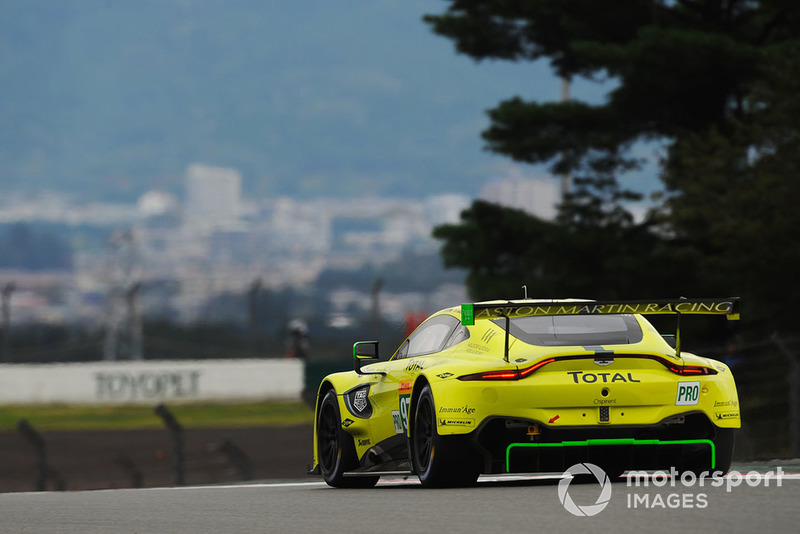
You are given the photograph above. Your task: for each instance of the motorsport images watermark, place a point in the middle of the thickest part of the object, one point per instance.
(688, 481)
(602, 499)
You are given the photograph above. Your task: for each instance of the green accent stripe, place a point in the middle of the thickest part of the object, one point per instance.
(620, 441)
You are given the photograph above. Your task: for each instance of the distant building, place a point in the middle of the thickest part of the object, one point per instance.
(537, 196)
(213, 196)
(156, 204)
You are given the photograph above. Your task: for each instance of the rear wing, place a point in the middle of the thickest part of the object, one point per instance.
(511, 309)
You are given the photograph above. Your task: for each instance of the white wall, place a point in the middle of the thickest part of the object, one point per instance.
(150, 382)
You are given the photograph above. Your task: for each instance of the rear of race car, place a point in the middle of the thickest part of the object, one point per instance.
(632, 403)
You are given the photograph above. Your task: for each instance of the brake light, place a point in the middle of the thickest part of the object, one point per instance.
(507, 374)
(691, 370)
(517, 374)
(529, 370)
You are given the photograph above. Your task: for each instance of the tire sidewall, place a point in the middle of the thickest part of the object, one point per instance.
(334, 474)
(425, 474)
(346, 458)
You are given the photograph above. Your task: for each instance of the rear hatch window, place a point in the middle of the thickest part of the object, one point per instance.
(566, 330)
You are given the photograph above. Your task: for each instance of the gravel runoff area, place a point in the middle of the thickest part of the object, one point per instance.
(146, 458)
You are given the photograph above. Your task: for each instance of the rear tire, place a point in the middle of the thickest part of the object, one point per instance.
(439, 461)
(336, 451)
(723, 446)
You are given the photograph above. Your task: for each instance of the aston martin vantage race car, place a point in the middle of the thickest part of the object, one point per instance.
(529, 386)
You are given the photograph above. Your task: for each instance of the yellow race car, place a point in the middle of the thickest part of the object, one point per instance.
(529, 386)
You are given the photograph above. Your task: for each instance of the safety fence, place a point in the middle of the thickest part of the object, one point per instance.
(172, 456)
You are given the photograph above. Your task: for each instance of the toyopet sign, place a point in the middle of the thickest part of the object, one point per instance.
(147, 382)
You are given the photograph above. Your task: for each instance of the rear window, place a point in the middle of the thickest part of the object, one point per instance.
(563, 330)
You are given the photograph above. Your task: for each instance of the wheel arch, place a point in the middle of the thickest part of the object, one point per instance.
(419, 384)
(324, 387)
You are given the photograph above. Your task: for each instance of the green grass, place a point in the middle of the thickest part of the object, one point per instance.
(75, 417)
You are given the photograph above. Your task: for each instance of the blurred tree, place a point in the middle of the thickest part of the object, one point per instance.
(594, 250)
(733, 197)
(677, 67)
(716, 81)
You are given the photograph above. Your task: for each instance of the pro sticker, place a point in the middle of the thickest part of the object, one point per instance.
(688, 394)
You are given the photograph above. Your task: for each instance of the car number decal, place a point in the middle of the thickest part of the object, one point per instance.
(405, 401)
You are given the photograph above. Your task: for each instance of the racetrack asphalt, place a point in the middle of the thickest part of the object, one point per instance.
(519, 504)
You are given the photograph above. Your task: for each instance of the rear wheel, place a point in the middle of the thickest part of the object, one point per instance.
(698, 462)
(336, 451)
(439, 461)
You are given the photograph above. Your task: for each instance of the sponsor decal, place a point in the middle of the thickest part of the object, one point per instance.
(727, 415)
(604, 402)
(357, 401)
(726, 404)
(591, 378)
(466, 409)
(414, 366)
(360, 400)
(688, 394)
(477, 349)
(405, 387)
(447, 421)
(364, 442)
(445, 375)
(347, 422)
(148, 385)
(398, 422)
(589, 308)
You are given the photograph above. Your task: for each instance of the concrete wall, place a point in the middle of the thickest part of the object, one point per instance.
(147, 382)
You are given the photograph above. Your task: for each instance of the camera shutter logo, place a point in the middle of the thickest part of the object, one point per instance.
(602, 500)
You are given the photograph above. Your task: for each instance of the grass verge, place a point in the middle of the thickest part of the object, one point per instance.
(127, 417)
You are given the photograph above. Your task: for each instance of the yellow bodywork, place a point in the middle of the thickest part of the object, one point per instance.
(636, 387)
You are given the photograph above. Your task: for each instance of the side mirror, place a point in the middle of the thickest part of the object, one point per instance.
(364, 351)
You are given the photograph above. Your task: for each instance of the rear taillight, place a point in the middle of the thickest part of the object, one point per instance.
(508, 374)
(690, 370)
(517, 374)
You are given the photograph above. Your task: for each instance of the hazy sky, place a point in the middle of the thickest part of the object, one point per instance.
(113, 97)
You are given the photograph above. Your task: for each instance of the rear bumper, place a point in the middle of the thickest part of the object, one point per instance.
(690, 441)
(615, 455)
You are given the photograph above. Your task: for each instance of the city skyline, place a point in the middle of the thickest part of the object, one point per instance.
(206, 250)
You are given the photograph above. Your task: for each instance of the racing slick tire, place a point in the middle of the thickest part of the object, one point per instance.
(335, 448)
(439, 461)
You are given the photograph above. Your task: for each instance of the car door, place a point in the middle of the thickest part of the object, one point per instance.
(391, 393)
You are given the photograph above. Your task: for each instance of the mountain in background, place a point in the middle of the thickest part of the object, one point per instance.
(106, 99)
